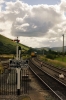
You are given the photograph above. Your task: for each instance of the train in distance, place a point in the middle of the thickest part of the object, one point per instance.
(33, 54)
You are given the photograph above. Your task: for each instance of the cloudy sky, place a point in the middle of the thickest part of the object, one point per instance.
(37, 23)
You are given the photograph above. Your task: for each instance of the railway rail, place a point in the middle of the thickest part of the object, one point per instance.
(54, 71)
(55, 86)
(62, 70)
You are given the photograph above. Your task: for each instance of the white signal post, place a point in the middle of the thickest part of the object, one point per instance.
(18, 70)
(18, 80)
(18, 52)
(17, 64)
(17, 48)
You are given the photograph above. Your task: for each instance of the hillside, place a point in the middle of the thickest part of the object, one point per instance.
(43, 48)
(7, 46)
(57, 49)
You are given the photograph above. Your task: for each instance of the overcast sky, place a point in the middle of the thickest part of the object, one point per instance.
(37, 23)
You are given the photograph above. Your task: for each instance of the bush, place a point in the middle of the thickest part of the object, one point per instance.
(50, 56)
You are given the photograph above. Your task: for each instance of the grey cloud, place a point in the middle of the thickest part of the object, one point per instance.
(33, 29)
(15, 10)
(2, 1)
(40, 19)
(35, 21)
(63, 5)
(1, 30)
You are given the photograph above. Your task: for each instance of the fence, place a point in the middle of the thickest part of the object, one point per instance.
(8, 82)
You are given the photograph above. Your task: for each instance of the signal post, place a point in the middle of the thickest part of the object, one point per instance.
(18, 64)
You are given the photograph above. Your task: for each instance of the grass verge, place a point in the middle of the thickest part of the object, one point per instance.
(59, 64)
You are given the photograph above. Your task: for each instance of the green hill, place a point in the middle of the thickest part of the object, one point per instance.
(60, 49)
(7, 46)
(57, 49)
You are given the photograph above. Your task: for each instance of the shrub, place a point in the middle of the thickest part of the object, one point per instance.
(50, 56)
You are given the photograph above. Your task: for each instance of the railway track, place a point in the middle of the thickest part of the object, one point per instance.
(54, 71)
(62, 70)
(55, 86)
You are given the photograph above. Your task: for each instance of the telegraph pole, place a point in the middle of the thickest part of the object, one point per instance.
(63, 47)
(17, 49)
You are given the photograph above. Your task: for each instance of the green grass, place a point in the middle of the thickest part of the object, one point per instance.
(56, 62)
(6, 56)
(9, 46)
(24, 98)
(63, 59)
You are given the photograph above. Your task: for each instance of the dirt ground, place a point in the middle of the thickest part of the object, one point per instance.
(36, 92)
